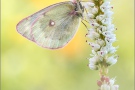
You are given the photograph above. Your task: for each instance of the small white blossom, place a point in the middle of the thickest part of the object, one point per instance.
(101, 29)
(94, 10)
(93, 62)
(100, 17)
(112, 81)
(100, 42)
(91, 16)
(102, 53)
(116, 87)
(94, 24)
(94, 53)
(108, 14)
(110, 40)
(88, 5)
(94, 46)
(107, 33)
(92, 21)
(113, 87)
(106, 21)
(93, 67)
(112, 60)
(92, 34)
(109, 48)
(104, 28)
(112, 49)
(111, 27)
(105, 87)
(105, 6)
(91, 4)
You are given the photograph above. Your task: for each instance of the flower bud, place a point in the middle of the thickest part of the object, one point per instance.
(99, 83)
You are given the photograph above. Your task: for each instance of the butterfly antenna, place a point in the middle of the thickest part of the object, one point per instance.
(85, 25)
(86, 13)
(85, 20)
(85, 9)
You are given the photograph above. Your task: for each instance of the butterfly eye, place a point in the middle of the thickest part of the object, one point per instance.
(51, 23)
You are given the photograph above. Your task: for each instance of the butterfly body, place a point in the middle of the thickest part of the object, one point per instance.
(52, 27)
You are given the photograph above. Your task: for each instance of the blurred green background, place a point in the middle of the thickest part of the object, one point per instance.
(26, 66)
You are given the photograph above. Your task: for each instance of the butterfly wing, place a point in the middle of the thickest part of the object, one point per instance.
(24, 26)
(52, 27)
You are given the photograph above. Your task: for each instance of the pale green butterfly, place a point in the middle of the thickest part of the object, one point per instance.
(54, 26)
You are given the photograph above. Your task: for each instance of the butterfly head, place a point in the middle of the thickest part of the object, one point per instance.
(79, 9)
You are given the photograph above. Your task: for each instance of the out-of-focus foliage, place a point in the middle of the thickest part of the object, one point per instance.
(26, 66)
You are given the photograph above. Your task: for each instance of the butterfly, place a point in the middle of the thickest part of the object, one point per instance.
(54, 26)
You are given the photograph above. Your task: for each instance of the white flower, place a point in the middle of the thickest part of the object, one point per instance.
(94, 10)
(111, 27)
(109, 34)
(94, 46)
(93, 62)
(112, 60)
(102, 33)
(108, 14)
(100, 17)
(112, 86)
(93, 67)
(105, 87)
(115, 87)
(100, 42)
(101, 29)
(91, 16)
(92, 34)
(110, 40)
(105, 48)
(88, 4)
(94, 24)
(112, 81)
(104, 28)
(109, 48)
(112, 49)
(102, 53)
(105, 6)
(106, 21)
